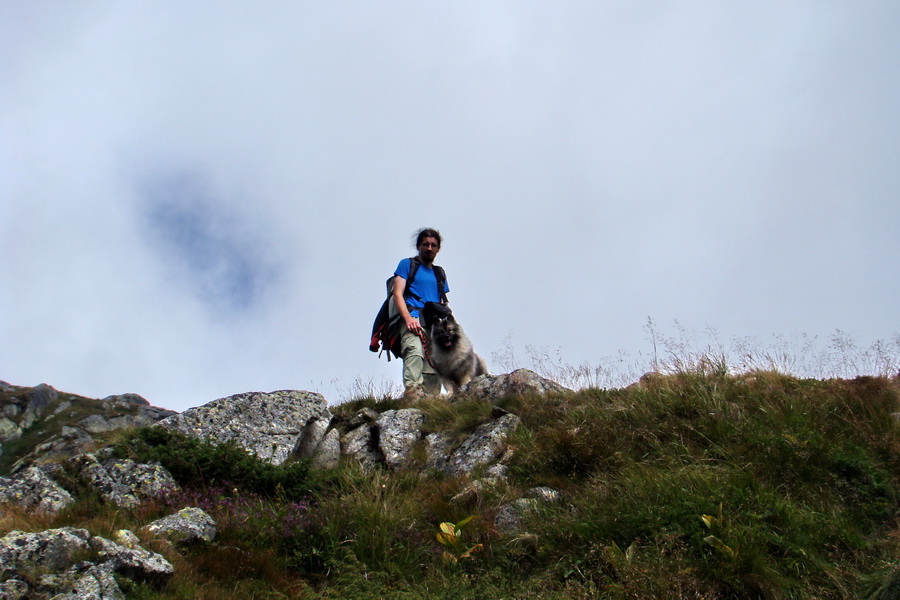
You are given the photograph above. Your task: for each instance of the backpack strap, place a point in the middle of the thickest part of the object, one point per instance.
(439, 275)
(413, 267)
(441, 280)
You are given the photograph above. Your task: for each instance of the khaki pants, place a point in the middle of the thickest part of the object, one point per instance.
(416, 370)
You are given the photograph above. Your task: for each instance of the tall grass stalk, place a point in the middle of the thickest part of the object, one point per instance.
(682, 350)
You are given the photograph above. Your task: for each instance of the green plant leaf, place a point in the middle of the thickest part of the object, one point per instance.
(720, 546)
(464, 521)
(449, 529)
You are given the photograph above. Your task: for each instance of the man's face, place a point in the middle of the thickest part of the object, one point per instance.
(428, 249)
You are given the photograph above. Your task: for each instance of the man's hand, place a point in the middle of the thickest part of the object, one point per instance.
(413, 325)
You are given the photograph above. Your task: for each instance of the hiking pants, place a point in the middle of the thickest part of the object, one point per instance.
(416, 370)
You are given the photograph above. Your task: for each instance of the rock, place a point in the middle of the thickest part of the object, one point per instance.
(62, 407)
(102, 481)
(271, 425)
(54, 552)
(144, 481)
(359, 444)
(545, 494)
(124, 482)
(34, 489)
(484, 446)
(189, 525)
(312, 436)
(38, 399)
(126, 538)
(510, 517)
(496, 472)
(127, 399)
(13, 589)
(438, 446)
(494, 476)
(70, 442)
(9, 431)
(95, 424)
(96, 583)
(398, 431)
(153, 414)
(521, 382)
(362, 417)
(54, 549)
(327, 455)
(135, 563)
(144, 417)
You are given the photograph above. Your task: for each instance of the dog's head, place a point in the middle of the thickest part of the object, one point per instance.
(444, 332)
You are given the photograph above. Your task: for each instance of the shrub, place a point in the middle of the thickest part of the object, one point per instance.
(197, 462)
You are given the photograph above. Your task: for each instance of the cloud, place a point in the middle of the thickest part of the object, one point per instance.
(205, 244)
(198, 200)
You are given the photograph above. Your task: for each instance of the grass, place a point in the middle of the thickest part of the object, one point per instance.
(698, 482)
(679, 350)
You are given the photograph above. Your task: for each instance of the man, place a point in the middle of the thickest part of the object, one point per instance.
(419, 377)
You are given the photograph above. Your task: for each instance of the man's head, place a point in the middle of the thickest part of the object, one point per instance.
(428, 243)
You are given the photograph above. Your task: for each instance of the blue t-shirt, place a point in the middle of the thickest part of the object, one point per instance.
(424, 285)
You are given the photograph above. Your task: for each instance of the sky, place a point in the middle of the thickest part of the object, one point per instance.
(200, 199)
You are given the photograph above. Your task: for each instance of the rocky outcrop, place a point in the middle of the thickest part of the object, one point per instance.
(58, 423)
(521, 382)
(121, 482)
(391, 438)
(58, 555)
(274, 426)
(70, 563)
(271, 425)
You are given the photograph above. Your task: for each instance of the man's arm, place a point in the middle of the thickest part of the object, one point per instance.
(411, 322)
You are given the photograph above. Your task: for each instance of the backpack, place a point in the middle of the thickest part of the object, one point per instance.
(386, 330)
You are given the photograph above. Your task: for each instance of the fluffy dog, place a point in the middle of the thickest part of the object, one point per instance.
(452, 355)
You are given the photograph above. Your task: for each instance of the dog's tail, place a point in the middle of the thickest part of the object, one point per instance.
(480, 366)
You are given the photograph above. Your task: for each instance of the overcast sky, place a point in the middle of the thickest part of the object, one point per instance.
(199, 199)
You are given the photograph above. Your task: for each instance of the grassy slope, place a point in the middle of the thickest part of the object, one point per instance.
(687, 486)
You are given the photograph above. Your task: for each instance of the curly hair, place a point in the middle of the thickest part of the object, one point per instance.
(427, 232)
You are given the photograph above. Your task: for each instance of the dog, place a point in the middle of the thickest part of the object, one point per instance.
(452, 355)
